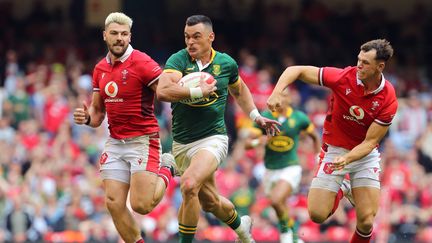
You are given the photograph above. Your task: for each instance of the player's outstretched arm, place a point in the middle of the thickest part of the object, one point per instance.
(93, 115)
(244, 99)
(169, 90)
(307, 74)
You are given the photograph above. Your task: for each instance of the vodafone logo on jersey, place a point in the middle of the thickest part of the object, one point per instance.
(357, 112)
(111, 89)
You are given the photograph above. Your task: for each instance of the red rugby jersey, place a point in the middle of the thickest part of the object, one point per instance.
(351, 110)
(125, 89)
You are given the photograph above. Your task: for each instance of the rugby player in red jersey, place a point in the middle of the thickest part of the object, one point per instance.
(124, 84)
(362, 107)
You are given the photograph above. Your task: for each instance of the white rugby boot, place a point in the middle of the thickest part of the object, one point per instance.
(244, 231)
(168, 160)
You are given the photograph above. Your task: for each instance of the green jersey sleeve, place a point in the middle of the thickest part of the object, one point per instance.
(233, 70)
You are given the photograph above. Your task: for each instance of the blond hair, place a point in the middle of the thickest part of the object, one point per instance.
(119, 18)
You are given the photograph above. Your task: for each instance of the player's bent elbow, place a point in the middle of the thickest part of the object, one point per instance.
(98, 119)
(163, 96)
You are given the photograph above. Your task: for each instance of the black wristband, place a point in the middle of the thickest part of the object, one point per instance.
(88, 121)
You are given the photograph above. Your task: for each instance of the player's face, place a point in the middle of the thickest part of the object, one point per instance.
(367, 66)
(198, 39)
(117, 38)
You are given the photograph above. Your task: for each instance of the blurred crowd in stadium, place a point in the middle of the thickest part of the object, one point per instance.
(49, 184)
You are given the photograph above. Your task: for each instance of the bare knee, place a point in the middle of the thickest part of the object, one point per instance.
(114, 205)
(320, 204)
(317, 213)
(189, 187)
(365, 221)
(143, 207)
(317, 217)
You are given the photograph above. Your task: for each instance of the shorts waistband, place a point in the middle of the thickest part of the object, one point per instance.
(124, 140)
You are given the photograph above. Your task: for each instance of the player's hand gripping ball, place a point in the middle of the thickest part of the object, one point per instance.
(192, 80)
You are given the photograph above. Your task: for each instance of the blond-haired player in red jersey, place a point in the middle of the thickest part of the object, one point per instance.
(362, 107)
(124, 84)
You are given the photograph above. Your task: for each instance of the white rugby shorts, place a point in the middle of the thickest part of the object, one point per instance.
(216, 144)
(123, 157)
(291, 174)
(362, 173)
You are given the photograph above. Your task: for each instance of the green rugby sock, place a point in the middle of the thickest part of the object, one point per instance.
(186, 233)
(234, 221)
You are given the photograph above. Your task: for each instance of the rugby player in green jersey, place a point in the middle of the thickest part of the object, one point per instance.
(283, 171)
(199, 132)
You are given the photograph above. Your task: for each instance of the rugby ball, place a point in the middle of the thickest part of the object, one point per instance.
(192, 80)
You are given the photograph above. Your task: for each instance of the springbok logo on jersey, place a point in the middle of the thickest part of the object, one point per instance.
(111, 89)
(357, 112)
(216, 69)
(291, 123)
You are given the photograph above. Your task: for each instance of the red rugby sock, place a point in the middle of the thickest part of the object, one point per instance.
(360, 237)
(339, 196)
(165, 174)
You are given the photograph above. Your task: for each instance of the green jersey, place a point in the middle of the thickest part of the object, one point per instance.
(281, 150)
(192, 122)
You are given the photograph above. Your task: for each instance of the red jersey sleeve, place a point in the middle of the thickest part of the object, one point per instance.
(330, 76)
(95, 80)
(150, 71)
(388, 112)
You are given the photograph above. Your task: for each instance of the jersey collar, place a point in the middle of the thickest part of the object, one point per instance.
(380, 87)
(123, 58)
(199, 63)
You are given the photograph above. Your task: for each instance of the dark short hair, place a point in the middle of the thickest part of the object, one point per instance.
(197, 19)
(382, 46)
